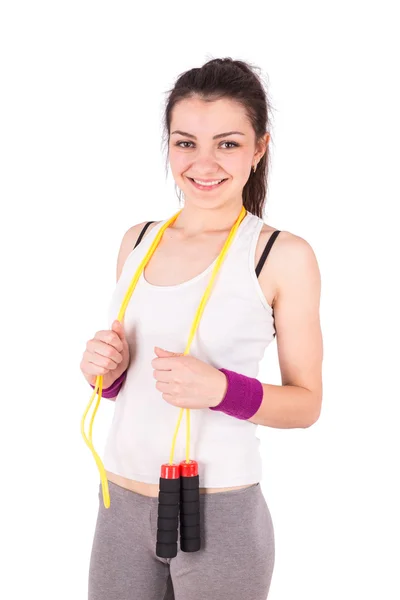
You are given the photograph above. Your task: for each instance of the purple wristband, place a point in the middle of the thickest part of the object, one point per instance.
(114, 388)
(243, 396)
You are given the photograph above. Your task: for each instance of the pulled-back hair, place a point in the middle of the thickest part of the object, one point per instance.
(235, 80)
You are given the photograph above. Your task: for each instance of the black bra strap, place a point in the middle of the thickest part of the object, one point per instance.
(142, 233)
(265, 253)
(263, 257)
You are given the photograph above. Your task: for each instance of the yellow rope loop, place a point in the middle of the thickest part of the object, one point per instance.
(99, 380)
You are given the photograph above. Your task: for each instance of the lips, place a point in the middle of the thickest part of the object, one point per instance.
(207, 187)
(221, 179)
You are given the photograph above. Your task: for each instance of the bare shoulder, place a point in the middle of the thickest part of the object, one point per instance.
(128, 242)
(291, 259)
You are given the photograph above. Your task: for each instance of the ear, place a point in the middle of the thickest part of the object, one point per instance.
(262, 146)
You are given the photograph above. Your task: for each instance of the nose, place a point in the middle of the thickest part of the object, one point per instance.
(205, 165)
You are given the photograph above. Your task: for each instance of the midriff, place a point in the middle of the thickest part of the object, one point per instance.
(152, 489)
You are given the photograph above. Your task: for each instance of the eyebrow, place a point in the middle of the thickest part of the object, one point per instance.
(219, 135)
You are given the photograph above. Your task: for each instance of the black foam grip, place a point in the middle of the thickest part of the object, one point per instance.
(168, 516)
(190, 514)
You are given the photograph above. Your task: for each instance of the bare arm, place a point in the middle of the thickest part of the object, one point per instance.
(297, 402)
(127, 245)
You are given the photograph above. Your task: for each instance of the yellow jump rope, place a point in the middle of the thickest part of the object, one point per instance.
(168, 496)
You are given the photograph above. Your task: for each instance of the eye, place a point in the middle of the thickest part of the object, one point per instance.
(179, 144)
(234, 144)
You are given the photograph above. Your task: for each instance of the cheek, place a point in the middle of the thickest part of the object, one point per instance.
(241, 163)
(236, 166)
(178, 163)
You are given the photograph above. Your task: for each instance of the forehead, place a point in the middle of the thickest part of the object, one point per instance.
(208, 118)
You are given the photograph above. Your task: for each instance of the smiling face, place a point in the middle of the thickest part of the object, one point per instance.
(200, 148)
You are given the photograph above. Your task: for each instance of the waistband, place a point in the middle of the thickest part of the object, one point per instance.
(117, 490)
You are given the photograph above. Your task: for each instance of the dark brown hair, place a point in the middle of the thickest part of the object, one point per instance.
(235, 80)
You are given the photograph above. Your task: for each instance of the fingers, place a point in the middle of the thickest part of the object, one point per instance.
(101, 360)
(110, 337)
(103, 353)
(164, 376)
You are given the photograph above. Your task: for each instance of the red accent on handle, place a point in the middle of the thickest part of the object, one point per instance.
(170, 471)
(190, 469)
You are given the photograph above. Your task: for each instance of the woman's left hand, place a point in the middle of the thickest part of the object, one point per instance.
(186, 381)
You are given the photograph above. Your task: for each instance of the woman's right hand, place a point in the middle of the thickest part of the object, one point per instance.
(106, 354)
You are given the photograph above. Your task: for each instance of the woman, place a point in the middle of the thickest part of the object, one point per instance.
(217, 121)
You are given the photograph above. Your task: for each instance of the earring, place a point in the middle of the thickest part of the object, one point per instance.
(255, 167)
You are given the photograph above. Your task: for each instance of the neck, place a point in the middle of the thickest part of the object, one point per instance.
(195, 221)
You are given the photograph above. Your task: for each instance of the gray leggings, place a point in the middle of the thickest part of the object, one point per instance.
(235, 561)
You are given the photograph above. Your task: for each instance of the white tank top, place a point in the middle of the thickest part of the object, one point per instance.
(235, 329)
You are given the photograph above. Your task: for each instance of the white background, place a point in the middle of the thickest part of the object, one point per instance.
(83, 86)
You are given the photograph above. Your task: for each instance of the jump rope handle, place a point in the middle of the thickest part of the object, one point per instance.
(179, 495)
(190, 507)
(168, 511)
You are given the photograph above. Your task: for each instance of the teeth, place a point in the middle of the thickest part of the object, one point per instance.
(207, 183)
